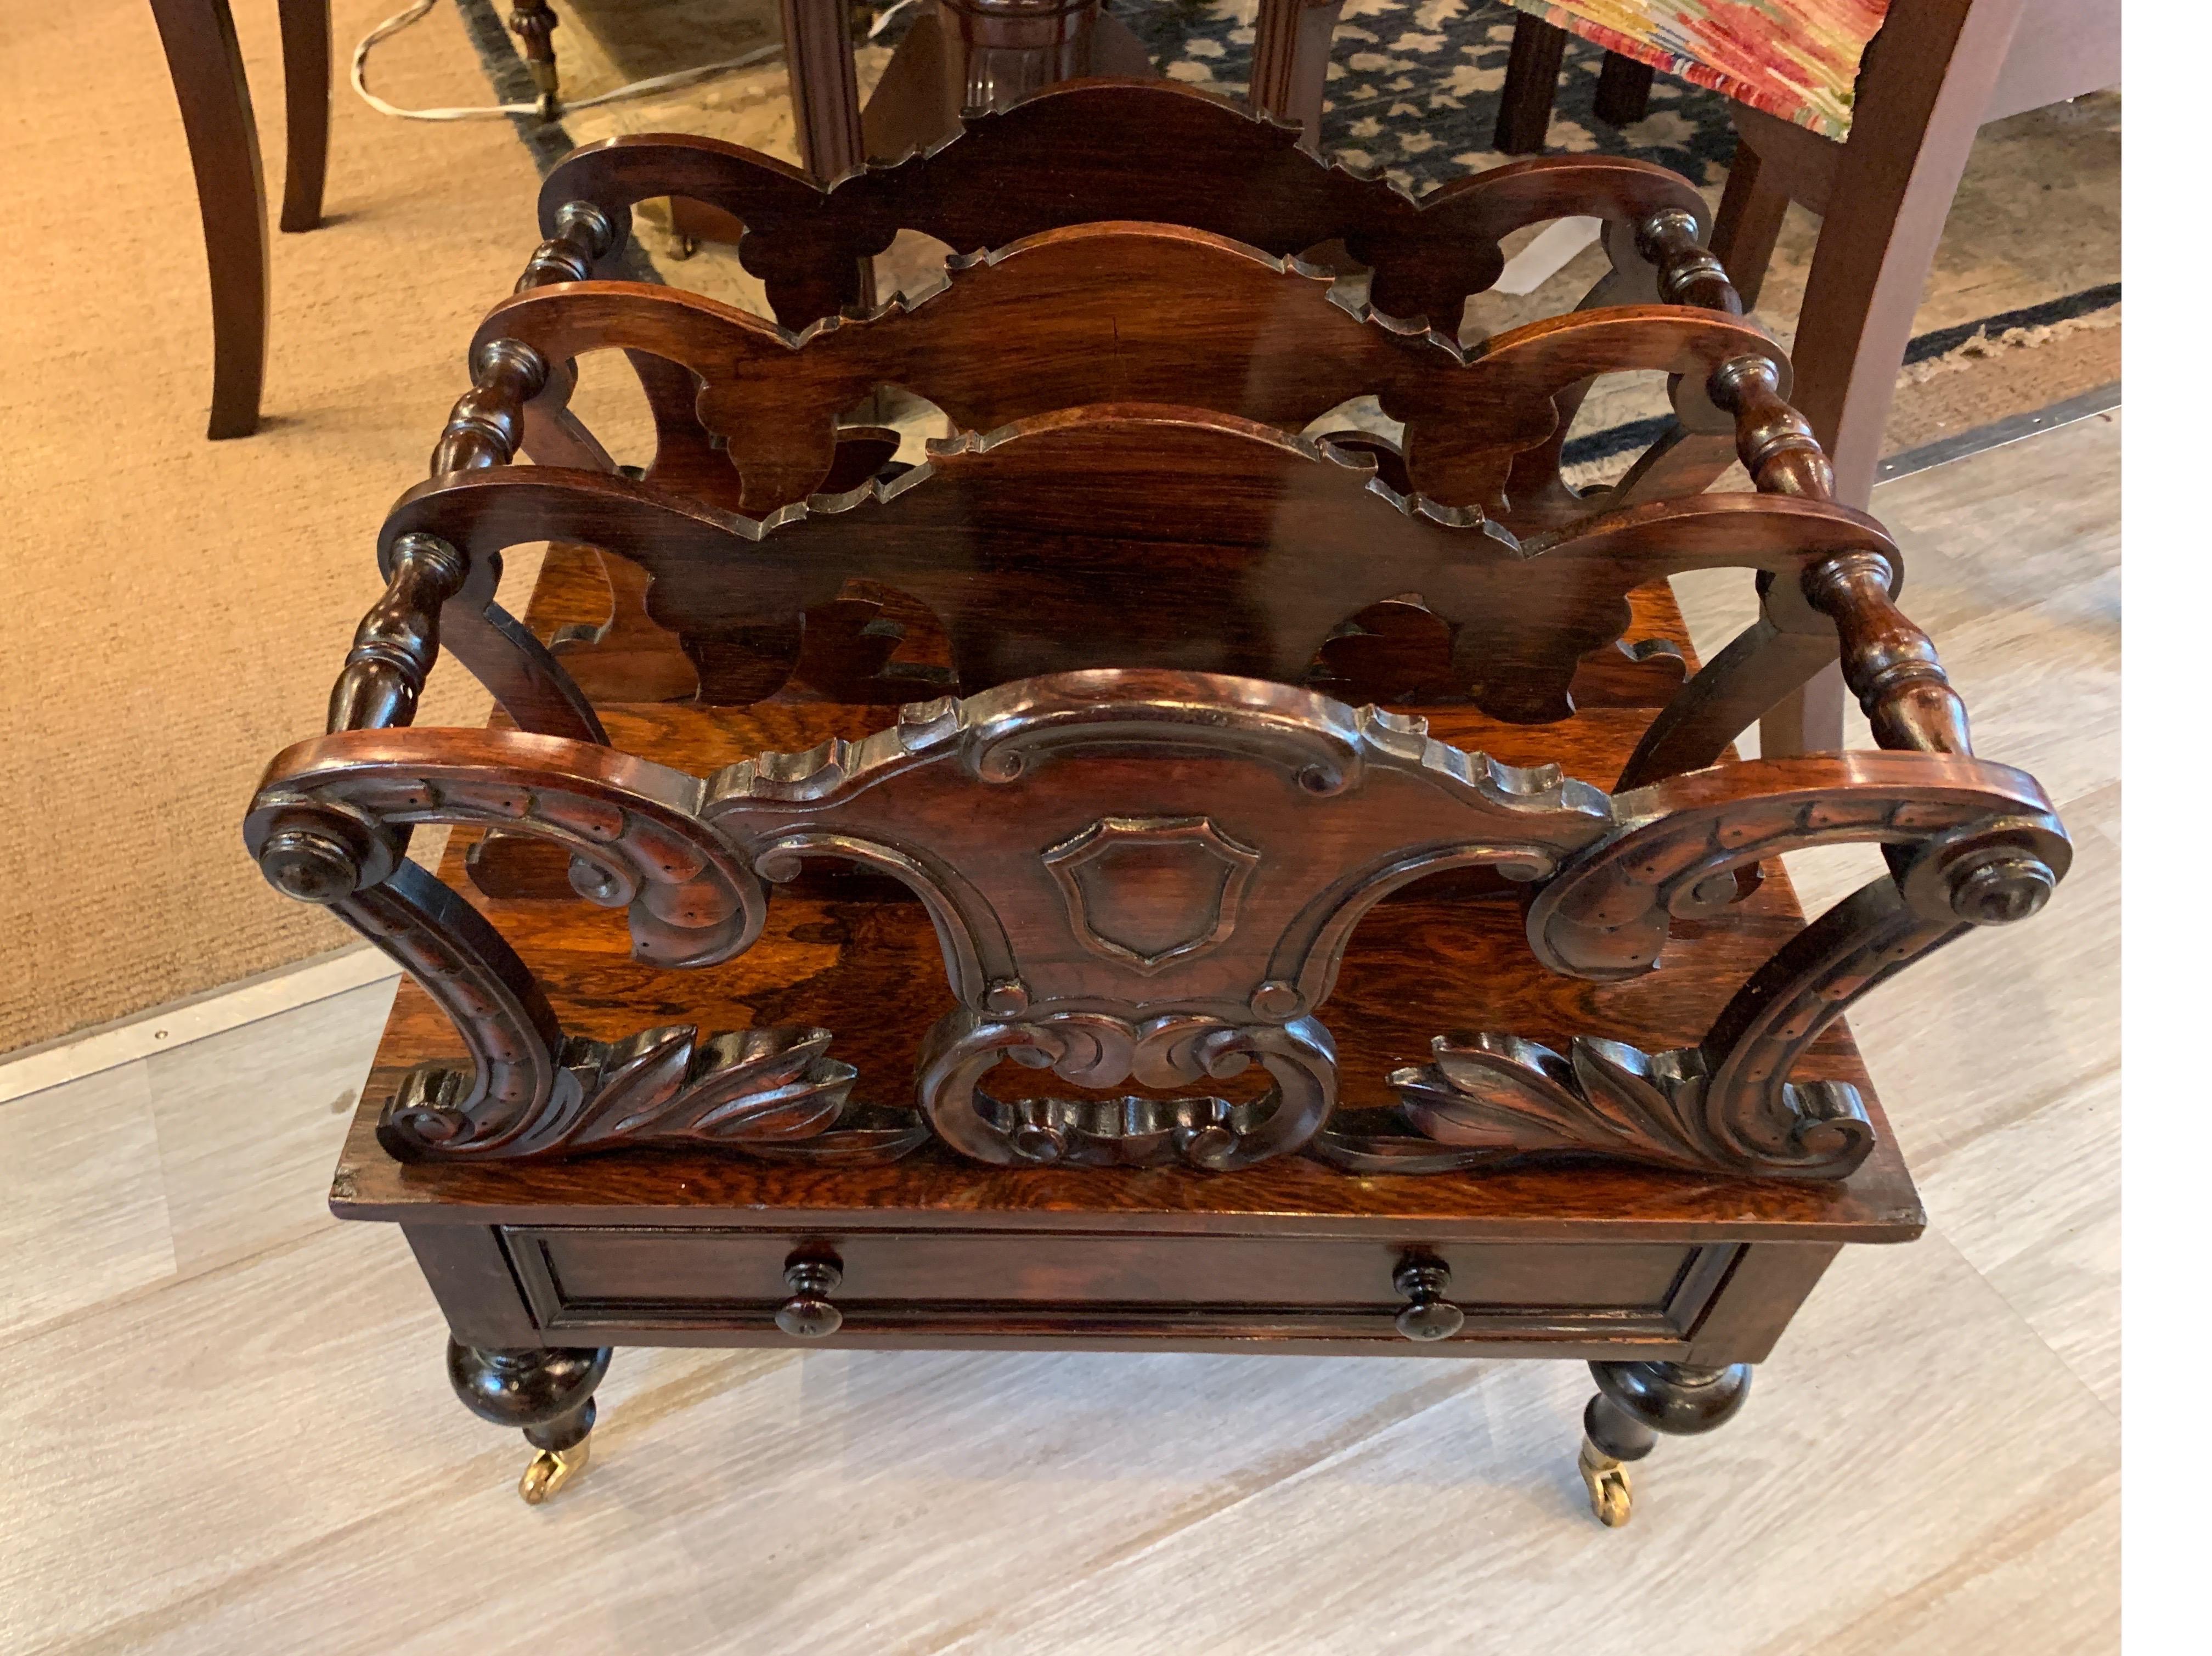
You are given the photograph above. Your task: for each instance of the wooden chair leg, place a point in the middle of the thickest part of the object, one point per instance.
(1532, 80)
(1926, 84)
(306, 33)
(1929, 80)
(1750, 222)
(533, 21)
(1624, 90)
(1290, 60)
(202, 46)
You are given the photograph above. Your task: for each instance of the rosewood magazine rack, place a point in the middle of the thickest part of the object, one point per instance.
(1173, 866)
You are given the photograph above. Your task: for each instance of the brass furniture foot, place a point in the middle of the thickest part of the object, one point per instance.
(550, 1470)
(1611, 1494)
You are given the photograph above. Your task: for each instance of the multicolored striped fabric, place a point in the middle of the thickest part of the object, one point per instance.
(1795, 58)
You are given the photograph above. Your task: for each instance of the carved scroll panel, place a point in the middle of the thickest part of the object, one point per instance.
(1125, 874)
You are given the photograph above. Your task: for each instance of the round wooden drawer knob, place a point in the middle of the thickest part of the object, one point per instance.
(808, 1314)
(1427, 1315)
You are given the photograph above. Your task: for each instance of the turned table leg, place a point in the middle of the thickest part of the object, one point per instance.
(201, 43)
(547, 1391)
(1635, 1402)
(533, 21)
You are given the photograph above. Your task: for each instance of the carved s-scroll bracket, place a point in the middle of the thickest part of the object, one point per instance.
(330, 826)
(1725, 1105)
(1608, 914)
(332, 814)
(1728, 1105)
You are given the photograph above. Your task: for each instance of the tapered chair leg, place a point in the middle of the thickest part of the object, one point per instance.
(1749, 223)
(209, 76)
(305, 26)
(1636, 1402)
(547, 1391)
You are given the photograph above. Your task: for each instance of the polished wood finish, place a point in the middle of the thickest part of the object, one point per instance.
(1117, 151)
(813, 246)
(1225, 931)
(1184, 317)
(1268, 1021)
(201, 43)
(1075, 583)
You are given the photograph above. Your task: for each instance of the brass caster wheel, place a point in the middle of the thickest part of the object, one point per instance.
(1607, 1480)
(548, 106)
(685, 246)
(550, 1471)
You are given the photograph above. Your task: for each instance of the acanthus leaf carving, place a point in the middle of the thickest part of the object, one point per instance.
(1497, 1097)
(755, 1091)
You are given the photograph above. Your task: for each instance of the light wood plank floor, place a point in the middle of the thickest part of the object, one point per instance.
(227, 1429)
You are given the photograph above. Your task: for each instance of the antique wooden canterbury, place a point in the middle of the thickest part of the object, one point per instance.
(1172, 870)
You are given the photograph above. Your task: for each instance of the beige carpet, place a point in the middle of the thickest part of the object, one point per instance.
(178, 607)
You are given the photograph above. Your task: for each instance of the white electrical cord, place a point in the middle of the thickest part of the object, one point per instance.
(646, 89)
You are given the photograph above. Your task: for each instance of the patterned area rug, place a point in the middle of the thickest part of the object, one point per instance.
(1414, 87)
(2022, 307)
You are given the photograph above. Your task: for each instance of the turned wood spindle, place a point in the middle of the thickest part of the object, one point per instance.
(582, 236)
(1890, 664)
(485, 427)
(396, 643)
(1689, 273)
(1772, 438)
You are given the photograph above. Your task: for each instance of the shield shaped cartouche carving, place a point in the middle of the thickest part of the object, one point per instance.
(1152, 891)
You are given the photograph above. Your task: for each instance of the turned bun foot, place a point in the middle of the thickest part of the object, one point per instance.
(1636, 1402)
(547, 1392)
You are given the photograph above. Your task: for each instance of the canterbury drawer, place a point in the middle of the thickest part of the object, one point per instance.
(951, 1282)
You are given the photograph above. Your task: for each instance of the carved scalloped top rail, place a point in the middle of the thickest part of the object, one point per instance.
(1123, 536)
(1137, 313)
(1120, 150)
(1145, 876)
